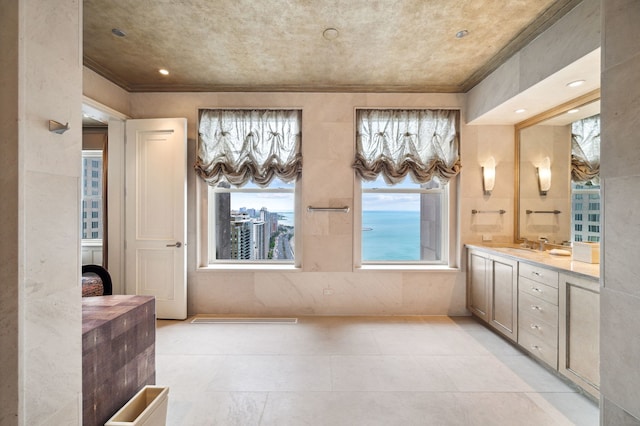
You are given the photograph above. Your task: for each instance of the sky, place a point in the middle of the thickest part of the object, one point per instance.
(284, 202)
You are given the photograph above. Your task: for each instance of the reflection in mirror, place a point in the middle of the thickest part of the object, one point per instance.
(562, 203)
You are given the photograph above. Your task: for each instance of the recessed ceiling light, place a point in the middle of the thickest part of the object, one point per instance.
(576, 83)
(520, 111)
(118, 32)
(330, 34)
(462, 33)
(573, 111)
(163, 71)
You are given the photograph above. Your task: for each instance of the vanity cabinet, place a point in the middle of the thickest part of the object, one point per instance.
(538, 312)
(478, 285)
(579, 328)
(549, 306)
(493, 291)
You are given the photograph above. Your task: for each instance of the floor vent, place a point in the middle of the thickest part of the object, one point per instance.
(232, 320)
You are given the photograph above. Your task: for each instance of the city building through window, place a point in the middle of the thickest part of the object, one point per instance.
(92, 216)
(250, 160)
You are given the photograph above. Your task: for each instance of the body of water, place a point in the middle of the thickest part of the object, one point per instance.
(390, 235)
(286, 218)
(386, 235)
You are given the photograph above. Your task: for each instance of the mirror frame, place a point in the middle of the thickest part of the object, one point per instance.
(536, 119)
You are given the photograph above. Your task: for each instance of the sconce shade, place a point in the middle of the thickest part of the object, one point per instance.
(544, 176)
(489, 176)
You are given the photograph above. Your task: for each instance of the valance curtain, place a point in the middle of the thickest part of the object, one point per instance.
(585, 149)
(242, 145)
(394, 143)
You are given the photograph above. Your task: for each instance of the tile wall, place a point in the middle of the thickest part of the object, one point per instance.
(620, 169)
(327, 243)
(40, 308)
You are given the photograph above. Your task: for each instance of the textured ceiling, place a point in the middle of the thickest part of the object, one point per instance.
(277, 45)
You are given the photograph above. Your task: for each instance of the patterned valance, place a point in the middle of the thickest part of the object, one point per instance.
(585, 149)
(242, 145)
(395, 143)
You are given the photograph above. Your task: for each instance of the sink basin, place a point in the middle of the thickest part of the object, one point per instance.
(519, 250)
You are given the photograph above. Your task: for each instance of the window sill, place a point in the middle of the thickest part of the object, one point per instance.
(248, 267)
(407, 267)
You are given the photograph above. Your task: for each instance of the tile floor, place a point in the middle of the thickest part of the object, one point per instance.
(358, 371)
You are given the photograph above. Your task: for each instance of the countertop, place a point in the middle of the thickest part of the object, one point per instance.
(99, 310)
(543, 258)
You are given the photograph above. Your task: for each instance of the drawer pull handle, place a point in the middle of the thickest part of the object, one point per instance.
(536, 308)
(536, 289)
(537, 274)
(535, 327)
(536, 347)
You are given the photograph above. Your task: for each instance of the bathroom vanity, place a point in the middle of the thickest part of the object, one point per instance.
(548, 305)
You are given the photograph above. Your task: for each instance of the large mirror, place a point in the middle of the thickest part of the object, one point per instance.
(557, 174)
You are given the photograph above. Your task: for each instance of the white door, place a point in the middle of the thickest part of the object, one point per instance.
(155, 200)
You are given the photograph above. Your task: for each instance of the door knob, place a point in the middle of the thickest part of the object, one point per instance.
(178, 244)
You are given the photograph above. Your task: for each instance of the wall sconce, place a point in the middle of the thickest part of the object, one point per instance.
(489, 175)
(544, 176)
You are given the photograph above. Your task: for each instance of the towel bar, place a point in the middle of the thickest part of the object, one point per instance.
(344, 209)
(474, 211)
(544, 211)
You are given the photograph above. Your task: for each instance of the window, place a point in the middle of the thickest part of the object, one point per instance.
(251, 223)
(405, 222)
(585, 177)
(405, 160)
(92, 194)
(250, 160)
(586, 230)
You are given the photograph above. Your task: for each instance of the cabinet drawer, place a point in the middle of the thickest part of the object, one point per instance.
(541, 275)
(538, 308)
(537, 347)
(536, 289)
(546, 332)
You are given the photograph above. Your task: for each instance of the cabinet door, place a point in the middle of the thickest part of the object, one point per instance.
(478, 285)
(579, 331)
(504, 297)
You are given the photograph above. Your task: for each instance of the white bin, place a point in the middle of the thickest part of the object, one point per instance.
(147, 408)
(586, 252)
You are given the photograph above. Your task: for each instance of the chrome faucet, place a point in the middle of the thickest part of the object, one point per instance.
(543, 241)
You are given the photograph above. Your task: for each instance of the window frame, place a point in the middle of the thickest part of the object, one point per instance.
(90, 154)
(451, 232)
(594, 199)
(449, 238)
(211, 237)
(205, 222)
